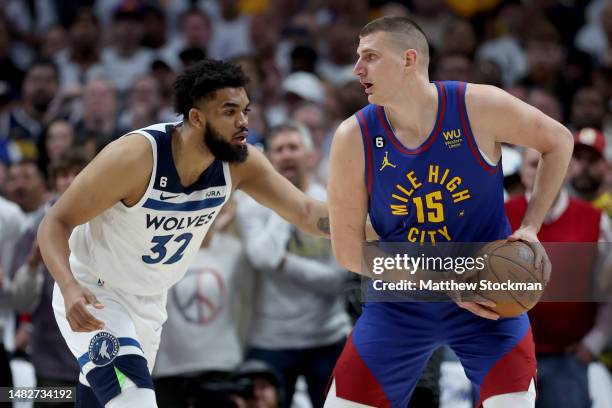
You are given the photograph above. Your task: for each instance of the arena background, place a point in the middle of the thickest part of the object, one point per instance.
(75, 75)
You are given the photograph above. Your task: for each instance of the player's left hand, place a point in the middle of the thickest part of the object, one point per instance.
(529, 236)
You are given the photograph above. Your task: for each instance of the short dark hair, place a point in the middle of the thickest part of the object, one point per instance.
(408, 32)
(72, 158)
(44, 62)
(202, 79)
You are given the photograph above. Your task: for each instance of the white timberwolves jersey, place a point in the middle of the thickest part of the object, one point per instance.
(146, 248)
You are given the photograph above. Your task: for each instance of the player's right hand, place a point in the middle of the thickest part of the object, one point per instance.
(76, 298)
(480, 308)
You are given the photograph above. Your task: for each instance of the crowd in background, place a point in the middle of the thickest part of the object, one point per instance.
(265, 305)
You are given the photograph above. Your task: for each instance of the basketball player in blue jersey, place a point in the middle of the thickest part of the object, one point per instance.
(132, 221)
(423, 160)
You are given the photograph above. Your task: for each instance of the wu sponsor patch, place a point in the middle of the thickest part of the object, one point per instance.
(452, 138)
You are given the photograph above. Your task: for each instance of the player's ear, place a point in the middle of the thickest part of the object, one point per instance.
(410, 59)
(196, 119)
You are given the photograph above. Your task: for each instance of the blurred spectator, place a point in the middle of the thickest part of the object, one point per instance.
(488, 73)
(11, 74)
(588, 109)
(155, 27)
(567, 17)
(249, 66)
(505, 49)
(54, 364)
(54, 41)
(304, 58)
(99, 112)
(567, 335)
(299, 324)
(59, 137)
(588, 169)
(434, 17)
(144, 105)
(22, 127)
(125, 59)
(204, 314)
(546, 102)
(195, 32)
(460, 38)
(265, 383)
(26, 187)
(231, 32)
(544, 57)
(12, 223)
(190, 56)
(453, 67)
(337, 65)
(595, 38)
(81, 60)
(165, 77)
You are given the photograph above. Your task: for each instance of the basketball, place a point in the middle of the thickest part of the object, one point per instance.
(510, 278)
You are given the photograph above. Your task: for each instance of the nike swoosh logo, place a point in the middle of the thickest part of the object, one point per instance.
(163, 198)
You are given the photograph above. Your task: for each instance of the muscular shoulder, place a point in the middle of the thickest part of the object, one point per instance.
(483, 98)
(124, 166)
(347, 138)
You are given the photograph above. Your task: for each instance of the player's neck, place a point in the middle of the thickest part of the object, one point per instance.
(190, 155)
(413, 114)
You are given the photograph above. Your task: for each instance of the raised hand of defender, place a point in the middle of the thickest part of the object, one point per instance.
(76, 298)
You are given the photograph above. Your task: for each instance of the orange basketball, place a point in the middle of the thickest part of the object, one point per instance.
(510, 278)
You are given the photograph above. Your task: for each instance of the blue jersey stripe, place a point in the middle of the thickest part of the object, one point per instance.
(186, 206)
(123, 341)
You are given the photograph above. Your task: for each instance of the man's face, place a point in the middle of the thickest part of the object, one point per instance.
(226, 129)
(26, 186)
(380, 67)
(455, 68)
(529, 167)
(65, 177)
(40, 87)
(196, 30)
(265, 394)
(588, 170)
(288, 155)
(588, 109)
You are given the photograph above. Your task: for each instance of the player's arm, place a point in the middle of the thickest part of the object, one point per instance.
(502, 118)
(260, 180)
(120, 172)
(347, 195)
(507, 119)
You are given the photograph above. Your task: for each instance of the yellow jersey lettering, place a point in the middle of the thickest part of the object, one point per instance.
(461, 195)
(444, 232)
(399, 209)
(413, 180)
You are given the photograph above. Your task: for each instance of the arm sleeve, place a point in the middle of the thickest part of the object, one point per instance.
(264, 234)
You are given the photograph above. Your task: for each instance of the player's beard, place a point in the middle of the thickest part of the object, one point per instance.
(222, 149)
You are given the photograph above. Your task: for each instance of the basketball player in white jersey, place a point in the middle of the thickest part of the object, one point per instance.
(131, 222)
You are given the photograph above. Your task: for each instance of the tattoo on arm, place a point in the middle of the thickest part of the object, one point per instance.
(323, 225)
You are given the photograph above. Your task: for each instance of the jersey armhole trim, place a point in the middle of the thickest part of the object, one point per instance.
(145, 196)
(467, 129)
(367, 150)
(228, 181)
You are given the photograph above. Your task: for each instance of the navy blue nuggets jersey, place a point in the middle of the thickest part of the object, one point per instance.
(444, 190)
